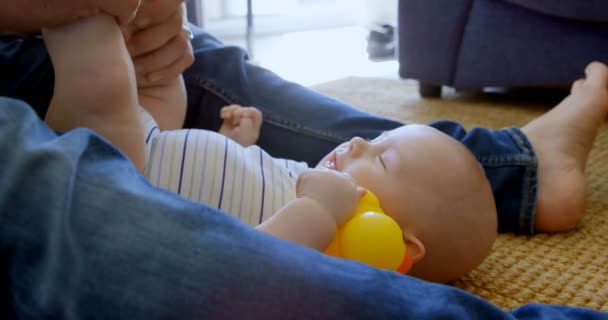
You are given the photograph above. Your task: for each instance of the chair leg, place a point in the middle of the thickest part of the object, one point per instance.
(429, 90)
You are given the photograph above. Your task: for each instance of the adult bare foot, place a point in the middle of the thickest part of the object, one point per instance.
(562, 139)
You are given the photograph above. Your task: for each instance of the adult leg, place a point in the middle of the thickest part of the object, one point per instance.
(304, 125)
(84, 236)
(27, 73)
(309, 124)
(563, 138)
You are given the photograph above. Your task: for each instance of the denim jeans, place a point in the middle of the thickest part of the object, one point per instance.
(299, 123)
(304, 125)
(84, 236)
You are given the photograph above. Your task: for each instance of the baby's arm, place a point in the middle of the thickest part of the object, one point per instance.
(304, 221)
(166, 102)
(325, 200)
(241, 124)
(95, 84)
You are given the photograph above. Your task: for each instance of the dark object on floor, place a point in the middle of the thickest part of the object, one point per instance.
(475, 44)
(381, 42)
(429, 90)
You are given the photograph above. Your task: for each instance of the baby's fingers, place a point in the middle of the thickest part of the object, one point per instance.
(244, 112)
(255, 115)
(229, 111)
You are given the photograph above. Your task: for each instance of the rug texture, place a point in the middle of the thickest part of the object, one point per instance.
(568, 268)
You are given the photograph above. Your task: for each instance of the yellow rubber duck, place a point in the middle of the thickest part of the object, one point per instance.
(372, 237)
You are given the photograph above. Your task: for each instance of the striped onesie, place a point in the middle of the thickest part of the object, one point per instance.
(208, 167)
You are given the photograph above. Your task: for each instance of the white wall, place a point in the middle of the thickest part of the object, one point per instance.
(372, 12)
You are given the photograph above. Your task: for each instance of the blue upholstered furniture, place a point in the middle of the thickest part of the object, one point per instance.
(472, 44)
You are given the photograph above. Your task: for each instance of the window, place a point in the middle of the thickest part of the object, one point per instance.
(226, 18)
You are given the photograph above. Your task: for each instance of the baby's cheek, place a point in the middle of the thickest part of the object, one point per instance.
(363, 177)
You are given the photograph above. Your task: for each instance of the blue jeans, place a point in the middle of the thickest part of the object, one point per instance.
(299, 123)
(304, 125)
(84, 236)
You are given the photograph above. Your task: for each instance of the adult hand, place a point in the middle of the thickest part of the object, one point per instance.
(25, 16)
(123, 10)
(160, 48)
(336, 191)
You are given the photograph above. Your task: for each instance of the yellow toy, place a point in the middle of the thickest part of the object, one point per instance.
(372, 237)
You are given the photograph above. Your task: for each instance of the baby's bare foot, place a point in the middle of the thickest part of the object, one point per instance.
(241, 124)
(95, 84)
(92, 65)
(562, 139)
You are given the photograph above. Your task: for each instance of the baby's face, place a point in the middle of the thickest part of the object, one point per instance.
(396, 165)
(435, 190)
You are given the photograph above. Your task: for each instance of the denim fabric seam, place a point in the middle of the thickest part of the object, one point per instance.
(320, 134)
(209, 86)
(530, 187)
(529, 161)
(269, 118)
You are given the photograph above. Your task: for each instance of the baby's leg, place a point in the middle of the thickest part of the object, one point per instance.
(563, 138)
(95, 84)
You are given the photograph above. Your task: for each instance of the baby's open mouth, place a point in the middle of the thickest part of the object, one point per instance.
(330, 163)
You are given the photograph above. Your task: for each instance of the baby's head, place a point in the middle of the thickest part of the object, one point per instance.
(434, 188)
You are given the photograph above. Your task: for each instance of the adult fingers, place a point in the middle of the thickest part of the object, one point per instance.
(155, 37)
(124, 10)
(153, 12)
(158, 60)
(170, 72)
(178, 48)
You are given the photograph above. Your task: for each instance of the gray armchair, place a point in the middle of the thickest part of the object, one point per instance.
(472, 44)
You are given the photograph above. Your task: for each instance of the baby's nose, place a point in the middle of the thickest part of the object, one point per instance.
(356, 146)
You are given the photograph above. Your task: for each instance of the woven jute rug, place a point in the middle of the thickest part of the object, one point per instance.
(568, 268)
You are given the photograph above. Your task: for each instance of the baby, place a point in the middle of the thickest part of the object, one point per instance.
(428, 182)
(443, 203)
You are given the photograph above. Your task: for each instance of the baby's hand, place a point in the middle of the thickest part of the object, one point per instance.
(334, 190)
(241, 124)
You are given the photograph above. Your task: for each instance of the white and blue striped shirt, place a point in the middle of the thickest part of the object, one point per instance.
(208, 167)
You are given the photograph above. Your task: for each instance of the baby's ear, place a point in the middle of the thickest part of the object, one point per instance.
(361, 192)
(414, 246)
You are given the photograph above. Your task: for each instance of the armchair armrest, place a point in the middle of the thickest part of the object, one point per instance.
(586, 10)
